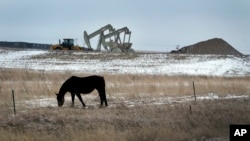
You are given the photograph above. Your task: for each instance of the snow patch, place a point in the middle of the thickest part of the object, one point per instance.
(142, 63)
(114, 102)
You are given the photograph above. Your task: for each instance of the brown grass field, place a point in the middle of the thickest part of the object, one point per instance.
(141, 108)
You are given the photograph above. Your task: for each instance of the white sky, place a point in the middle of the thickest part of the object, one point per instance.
(158, 25)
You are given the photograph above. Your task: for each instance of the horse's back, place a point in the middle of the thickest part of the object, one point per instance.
(89, 81)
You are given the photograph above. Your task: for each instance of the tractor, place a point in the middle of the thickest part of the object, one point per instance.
(67, 44)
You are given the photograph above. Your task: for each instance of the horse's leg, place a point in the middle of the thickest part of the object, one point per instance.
(80, 98)
(73, 99)
(102, 95)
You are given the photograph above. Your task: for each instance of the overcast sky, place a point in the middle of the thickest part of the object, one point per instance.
(158, 25)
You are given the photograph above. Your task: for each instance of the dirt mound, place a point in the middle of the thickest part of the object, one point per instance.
(211, 46)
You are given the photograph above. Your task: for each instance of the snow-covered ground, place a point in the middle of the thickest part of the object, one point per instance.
(140, 63)
(93, 100)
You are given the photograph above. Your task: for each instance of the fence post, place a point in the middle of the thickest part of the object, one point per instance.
(190, 109)
(194, 92)
(14, 105)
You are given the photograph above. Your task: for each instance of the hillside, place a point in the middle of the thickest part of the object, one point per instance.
(140, 63)
(211, 46)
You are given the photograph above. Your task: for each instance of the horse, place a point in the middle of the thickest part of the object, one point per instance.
(85, 85)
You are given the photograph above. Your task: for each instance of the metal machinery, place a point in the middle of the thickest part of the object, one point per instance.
(115, 43)
(67, 44)
(112, 40)
(97, 32)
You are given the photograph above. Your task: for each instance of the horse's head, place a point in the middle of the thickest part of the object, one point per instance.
(60, 100)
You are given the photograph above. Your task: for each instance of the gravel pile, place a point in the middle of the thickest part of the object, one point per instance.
(211, 46)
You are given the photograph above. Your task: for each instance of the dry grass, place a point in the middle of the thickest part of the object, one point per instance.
(208, 119)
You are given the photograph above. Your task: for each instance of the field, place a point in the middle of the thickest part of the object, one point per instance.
(142, 106)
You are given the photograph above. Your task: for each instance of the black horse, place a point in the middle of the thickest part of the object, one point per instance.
(77, 85)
